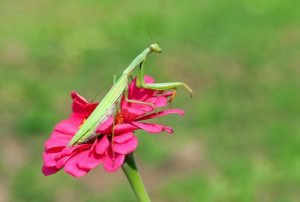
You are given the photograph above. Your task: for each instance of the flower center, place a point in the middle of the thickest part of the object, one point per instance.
(119, 118)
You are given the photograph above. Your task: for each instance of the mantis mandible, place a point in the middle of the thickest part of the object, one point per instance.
(107, 104)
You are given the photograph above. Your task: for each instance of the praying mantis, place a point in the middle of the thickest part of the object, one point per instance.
(107, 105)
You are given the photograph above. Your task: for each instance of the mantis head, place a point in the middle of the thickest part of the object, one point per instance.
(155, 48)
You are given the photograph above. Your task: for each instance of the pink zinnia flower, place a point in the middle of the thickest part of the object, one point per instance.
(80, 159)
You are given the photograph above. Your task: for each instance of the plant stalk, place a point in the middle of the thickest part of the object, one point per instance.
(130, 169)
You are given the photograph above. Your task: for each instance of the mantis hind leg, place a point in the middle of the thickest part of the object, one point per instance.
(159, 86)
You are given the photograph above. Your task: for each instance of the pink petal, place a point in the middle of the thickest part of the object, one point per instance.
(123, 137)
(79, 102)
(111, 164)
(49, 159)
(162, 113)
(148, 79)
(89, 109)
(165, 128)
(71, 165)
(78, 98)
(90, 162)
(54, 149)
(49, 170)
(57, 134)
(62, 161)
(167, 94)
(103, 144)
(124, 128)
(151, 100)
(152, 128)
(92, 148)
(81, 105)
(140, 94)
(105, 127)
(126, 147)
(130, 114)
(76, 119)
(56, 142)
(132, 111)
(66, 127)
(68, 151)
(161, 101)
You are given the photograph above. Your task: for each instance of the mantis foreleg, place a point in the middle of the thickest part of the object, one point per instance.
(158, 86)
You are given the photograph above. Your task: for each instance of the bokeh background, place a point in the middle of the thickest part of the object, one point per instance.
(240, 138)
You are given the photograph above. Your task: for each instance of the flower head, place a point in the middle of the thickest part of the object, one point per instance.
(113, 141)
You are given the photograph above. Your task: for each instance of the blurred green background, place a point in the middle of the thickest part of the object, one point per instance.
(240, 138)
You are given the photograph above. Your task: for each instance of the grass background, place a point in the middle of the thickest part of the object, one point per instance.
(240, 138)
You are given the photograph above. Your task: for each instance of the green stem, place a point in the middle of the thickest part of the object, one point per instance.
(134, 178)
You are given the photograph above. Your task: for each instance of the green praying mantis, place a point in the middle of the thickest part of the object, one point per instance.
(108, 104)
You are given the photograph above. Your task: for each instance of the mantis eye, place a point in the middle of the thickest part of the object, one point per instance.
(155, 48)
